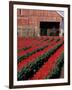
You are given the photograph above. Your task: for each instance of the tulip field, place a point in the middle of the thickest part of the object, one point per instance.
(40, 57)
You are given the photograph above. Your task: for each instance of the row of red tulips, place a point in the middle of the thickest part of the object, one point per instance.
(36, 55)
(28, 41)
(57, 70)
(25, 53)
(27, 70)
(49, 65)
(32, 44)
(25, 42)
(34, 47)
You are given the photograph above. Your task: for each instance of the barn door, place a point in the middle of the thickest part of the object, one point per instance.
(43, 32)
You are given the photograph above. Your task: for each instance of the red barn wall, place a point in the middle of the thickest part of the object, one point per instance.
(28, 21)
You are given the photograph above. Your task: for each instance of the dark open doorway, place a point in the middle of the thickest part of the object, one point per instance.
(49, 28)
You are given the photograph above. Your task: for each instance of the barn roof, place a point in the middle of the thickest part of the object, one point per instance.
(61, 13)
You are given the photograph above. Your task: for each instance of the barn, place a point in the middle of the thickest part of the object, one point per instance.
(31, 23)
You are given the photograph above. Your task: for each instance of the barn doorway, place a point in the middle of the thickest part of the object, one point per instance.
(49, 28)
